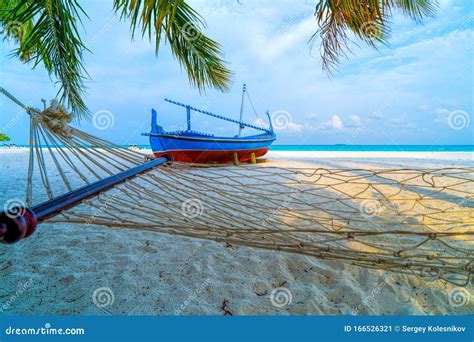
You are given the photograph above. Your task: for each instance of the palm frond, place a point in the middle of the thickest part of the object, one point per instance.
(50, 37)
(417, 9)
(368, 20)
(12, 29)
(181, 26)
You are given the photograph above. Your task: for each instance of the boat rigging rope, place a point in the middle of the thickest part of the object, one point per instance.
(410, 221)
(253, 107)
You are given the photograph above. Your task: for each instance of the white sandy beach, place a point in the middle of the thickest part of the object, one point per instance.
(437, 156)
(56, 271)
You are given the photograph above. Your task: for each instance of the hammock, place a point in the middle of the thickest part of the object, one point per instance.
(410, 221)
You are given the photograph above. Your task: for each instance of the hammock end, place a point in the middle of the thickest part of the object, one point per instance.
(17, 223)
(169, 157)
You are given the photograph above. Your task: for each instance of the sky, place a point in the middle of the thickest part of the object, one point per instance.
(416, 90)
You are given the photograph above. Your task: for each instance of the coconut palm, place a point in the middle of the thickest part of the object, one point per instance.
(47, 33)
(368, 20)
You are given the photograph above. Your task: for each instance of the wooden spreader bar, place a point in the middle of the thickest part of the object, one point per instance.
(19, 222)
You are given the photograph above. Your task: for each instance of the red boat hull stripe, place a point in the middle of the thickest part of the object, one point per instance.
(203, 156)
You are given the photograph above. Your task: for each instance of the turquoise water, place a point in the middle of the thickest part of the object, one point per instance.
(369, 148)
(376, 148)
(363, 148)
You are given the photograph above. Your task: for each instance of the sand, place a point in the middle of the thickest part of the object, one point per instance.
(73, 269)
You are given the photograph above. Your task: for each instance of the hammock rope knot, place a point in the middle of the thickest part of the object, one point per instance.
(56, 118)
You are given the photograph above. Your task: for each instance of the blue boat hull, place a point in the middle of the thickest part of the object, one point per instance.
(196, 148)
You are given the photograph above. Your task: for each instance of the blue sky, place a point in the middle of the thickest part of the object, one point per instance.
(417, 90)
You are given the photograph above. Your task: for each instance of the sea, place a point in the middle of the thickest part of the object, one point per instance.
(375, 148)
(367, 148)
(356, 148)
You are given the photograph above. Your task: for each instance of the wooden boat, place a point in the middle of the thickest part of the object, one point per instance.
(197, 147)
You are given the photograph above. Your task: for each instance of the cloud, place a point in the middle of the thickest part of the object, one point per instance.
(292, 36)
(334, 123)
(288, 125)
(425, 71)
(294, 127)
(355, 121)
(401, 123)
(441, 115)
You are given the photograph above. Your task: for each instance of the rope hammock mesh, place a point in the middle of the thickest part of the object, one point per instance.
(410, 221)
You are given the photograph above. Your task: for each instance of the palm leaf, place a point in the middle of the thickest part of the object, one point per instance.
(368, 20)
(181, 26)
(50, 37)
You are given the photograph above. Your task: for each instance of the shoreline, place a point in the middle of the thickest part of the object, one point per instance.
(371, 154)
(445, 155)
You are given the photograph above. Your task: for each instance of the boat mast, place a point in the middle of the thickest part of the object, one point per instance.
(241, 127)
